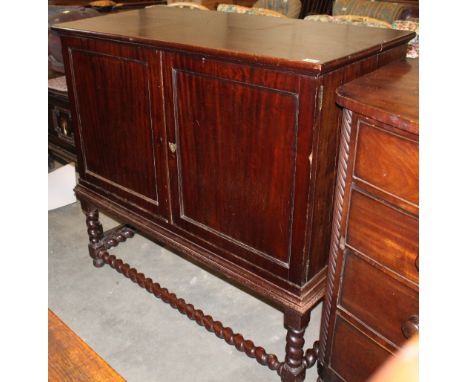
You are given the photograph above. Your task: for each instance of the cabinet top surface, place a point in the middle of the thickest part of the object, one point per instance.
(313, 46)
(389, 95)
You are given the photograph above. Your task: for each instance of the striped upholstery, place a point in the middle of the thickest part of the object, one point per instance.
(386, 11)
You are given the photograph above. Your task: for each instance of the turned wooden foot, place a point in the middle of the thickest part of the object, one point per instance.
(98, 263)
(95, 233)
(294, 367)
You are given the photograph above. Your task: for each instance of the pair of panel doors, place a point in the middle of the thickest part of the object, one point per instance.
(217, 150)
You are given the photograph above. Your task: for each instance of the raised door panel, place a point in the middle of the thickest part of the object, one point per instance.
(236, 159)
(120, 123)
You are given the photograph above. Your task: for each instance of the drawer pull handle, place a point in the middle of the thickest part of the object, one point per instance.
(410, 326)
(64, 126)
(61, 122)
(416, 263)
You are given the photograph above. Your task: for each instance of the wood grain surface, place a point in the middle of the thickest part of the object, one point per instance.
(384, 233)
(366, 354)
(72, 360)
(376, 298)
(228, 125)
(234, 158)
(388, 161)
(372, 297)
(313, 46)
(122, 131)
(389, 96)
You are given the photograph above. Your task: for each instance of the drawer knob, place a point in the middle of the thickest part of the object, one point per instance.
(410, 326)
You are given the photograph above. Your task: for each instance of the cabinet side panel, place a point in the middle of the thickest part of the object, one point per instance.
(326, 155)
(326, 141)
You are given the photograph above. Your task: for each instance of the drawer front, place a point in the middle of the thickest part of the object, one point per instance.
(389, 162)
(377, 299)
(384, 233)
(354, 355)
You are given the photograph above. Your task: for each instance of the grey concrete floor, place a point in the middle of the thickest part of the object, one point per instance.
(143, 338)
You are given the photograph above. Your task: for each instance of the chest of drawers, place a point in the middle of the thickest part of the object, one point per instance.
(217, 134)
(372, 300)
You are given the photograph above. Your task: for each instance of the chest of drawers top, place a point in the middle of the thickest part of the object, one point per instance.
(285, 43)
(389, 95)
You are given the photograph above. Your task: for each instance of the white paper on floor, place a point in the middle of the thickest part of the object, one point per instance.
(61, 184)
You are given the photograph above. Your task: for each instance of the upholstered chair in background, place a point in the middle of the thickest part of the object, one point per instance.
(277, 8)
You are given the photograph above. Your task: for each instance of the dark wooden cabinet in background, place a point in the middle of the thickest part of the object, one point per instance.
(217, 134)
(61, 141)
(372, 300)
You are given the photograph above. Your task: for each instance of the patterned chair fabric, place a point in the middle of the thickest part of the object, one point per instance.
(277, 8)
(410, 25)
(233, 8)
(289, 8)
(350, 20)
(381, 10)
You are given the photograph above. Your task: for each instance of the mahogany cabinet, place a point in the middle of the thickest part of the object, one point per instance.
(217, 134)
(372, 300)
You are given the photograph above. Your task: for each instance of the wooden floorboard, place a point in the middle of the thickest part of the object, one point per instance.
(71, 359)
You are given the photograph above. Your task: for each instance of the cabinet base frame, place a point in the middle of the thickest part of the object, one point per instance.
(292, 369)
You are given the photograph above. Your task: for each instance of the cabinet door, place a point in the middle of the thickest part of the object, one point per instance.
(240, 139)
(118, 99)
